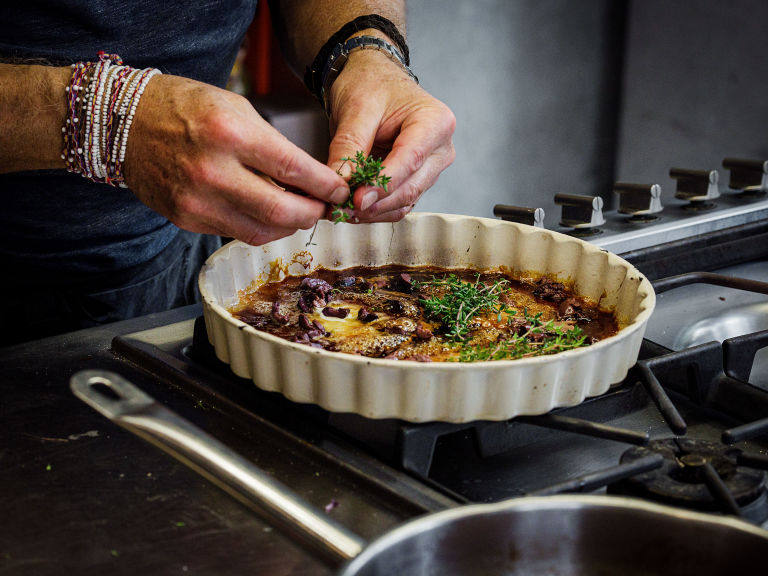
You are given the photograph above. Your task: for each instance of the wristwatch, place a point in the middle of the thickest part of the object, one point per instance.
(338, 59)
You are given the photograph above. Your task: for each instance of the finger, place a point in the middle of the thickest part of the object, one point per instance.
(261, 199)
(390, 216)
(227, 191)
(276, 156)
(356, 130)
(221, 220)
(419, 140)
(409, 192)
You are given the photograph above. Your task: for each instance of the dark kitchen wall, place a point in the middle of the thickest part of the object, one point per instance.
(531, 83)
(695, 87)
(561, 96)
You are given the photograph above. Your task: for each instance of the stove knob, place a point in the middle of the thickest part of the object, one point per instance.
(580, 211)
(530, 216)
(638, 200)
(695, 185)
(747, 175)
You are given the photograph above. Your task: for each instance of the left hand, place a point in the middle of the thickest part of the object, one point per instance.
(378, 109)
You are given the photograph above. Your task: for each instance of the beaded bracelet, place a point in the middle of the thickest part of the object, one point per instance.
(102, 98)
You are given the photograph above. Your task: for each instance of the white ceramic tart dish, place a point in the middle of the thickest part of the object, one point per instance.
(419, 391)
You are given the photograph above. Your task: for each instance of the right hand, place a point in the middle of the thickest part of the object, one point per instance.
(192, 156)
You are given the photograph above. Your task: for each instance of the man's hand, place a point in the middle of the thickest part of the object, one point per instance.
(378, 109)
(198, 156)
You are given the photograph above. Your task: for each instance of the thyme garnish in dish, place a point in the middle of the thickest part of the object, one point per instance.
(461, 301)
(538, 338)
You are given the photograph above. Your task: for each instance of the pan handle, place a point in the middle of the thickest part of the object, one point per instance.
(124, 404)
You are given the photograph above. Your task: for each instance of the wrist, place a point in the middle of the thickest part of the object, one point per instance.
(102, 98)
(32, 110)
(358, 44)
(372, 25)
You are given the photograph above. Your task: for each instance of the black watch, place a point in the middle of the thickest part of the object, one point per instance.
(338, 59)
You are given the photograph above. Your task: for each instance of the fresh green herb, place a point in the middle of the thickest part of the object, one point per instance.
(540, 339)
(461, 301)
(367, 172)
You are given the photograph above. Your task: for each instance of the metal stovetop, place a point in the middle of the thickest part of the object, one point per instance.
(82, 495)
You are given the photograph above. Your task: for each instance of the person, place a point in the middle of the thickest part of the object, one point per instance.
(199, 163)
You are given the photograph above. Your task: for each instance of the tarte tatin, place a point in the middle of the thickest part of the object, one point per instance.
(426, 314)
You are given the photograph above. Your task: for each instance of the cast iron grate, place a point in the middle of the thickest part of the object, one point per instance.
(711, 378)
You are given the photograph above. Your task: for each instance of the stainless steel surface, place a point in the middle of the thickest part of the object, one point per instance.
(565, 535)
(678, 221)
(700, 313)
(128, 406)
(559, 535)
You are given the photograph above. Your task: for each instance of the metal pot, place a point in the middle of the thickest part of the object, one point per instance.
(552, 535)
(417, 391)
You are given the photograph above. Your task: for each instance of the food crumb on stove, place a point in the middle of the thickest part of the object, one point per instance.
(114, 553)
(200, 405)
(722, 298)
(331, 505)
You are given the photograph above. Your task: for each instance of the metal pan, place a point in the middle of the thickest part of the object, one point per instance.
(416, 391)
(554, 535)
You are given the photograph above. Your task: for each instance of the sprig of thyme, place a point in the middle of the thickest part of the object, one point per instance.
(461, 301)
(367, 172)
(540, 339)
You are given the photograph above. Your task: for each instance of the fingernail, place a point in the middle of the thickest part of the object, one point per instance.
(339, 195)
(344, 169)
(368, 199)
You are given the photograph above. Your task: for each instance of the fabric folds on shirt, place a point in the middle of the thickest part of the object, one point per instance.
(60, 226)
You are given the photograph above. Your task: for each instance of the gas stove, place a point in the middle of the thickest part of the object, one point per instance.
(649, 221)
(688, 426)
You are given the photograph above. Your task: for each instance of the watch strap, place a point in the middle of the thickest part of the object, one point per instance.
(313, 74)
(338, 58)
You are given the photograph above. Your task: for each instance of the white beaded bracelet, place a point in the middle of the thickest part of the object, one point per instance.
(102, 98)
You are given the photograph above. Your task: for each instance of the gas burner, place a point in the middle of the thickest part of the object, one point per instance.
(701, 475)
(642, 219)
(698, 206)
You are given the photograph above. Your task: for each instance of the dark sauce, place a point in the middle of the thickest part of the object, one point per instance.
(379, 312)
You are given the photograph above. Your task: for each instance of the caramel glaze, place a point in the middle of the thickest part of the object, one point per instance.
(377, 312)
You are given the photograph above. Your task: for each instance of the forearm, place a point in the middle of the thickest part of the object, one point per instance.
(303, 26)
(32, 113)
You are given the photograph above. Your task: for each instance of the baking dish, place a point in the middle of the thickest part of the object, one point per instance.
(416, 391)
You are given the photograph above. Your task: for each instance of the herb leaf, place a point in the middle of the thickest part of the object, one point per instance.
(540, 339)
(461, 301)
(367, 172)
(457, 302)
